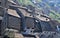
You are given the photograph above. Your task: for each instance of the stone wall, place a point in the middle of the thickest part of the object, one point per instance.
(30, 22)
(4, 3)
(14, 22)
(1, 12)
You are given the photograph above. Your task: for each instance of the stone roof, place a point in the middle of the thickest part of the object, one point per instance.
(13, 13)
(12, 1)
(25, 13)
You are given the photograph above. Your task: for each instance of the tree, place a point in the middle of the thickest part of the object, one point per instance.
(26, 2)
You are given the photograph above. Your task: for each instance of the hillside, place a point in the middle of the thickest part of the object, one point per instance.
(50, 7)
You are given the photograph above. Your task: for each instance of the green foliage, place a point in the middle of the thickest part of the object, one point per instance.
(26, 2)
(55, 17)
(9, 33)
